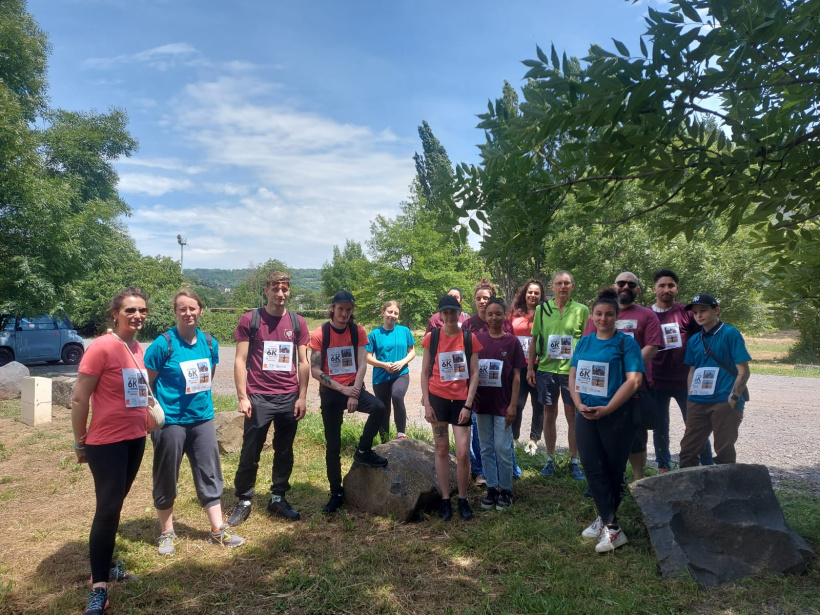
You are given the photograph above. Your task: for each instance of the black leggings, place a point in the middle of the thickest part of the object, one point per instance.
(604, 446)
(114, 467)
(393, 392)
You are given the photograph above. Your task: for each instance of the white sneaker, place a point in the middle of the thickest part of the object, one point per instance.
(593, 532)
(531, 448)
(611, 540)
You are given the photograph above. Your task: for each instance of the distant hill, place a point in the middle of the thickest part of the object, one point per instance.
(231, 278)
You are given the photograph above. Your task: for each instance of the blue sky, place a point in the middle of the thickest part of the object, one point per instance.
(273, 129)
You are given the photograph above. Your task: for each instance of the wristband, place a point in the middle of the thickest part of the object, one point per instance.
(77, 448)
(734, 397)
(466, 407)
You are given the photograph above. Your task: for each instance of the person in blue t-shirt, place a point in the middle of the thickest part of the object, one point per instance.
(390, 348)
(606, 371)
(180, 370)
(718, 372)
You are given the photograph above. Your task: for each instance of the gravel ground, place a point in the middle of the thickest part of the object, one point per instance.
(776, 431)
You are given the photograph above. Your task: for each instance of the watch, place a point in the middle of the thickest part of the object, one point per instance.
(734, 397)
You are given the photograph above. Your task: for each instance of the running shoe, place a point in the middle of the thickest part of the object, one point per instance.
(240, 513)
(166, 543)
(488, 503)
(593, 532)
(576, 472)
(226, 537)
(611, 539)
(369, 458)
(549, 469)
(464, 509)
(281, 508)
(334, 503)
(445, 509)
(505, 500)
(97, 602)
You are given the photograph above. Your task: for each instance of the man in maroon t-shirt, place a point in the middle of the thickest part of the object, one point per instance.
(271, 383)
(641, 324)
(669, 371)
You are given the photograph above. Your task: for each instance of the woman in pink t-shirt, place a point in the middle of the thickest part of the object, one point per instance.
(114, 382)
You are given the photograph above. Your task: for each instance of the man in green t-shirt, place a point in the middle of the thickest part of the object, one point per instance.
(557, 327)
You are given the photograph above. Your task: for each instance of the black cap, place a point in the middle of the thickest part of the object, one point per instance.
(703, 299)
(343, 297)
(448, 302)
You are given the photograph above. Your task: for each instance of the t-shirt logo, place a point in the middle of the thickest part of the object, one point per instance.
(289, 334)
(503, 354)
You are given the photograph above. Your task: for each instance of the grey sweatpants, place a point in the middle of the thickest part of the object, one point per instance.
(198, 442)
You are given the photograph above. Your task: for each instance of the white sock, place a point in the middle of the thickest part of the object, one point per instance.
(574, 460)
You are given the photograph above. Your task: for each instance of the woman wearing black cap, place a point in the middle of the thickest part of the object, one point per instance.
(449, 379)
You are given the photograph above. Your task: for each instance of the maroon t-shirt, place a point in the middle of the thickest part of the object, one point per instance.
(668, 370)
(476, 324)
(508, 352)
(641, 324)
(272, 329)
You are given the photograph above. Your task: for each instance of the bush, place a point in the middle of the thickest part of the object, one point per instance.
(221, 325)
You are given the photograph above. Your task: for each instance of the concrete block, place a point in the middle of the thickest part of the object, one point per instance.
(35, 402)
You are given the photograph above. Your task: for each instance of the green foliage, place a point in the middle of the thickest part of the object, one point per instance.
(249, 294)
(58, 201)
(715, 122)
(434, 171)
(349, 270)
(221, 325)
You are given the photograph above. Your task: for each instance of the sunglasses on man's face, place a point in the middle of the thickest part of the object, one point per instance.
(133, 310)
(622, 283)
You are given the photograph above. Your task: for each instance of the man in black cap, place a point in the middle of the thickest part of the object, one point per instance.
(718, 371)
(338, 361)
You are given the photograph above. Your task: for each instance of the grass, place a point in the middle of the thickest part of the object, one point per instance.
(529, 560)
(769, 352)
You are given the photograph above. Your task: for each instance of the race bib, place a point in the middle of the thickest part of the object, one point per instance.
(559, 346)
(592, 378)
(452, 366)
(340, 360)
(632, 324)
(671, 335)
(135, 383)
(489, 372)
(703, 381)
(278, 356)
(197, 375)
(525, 343)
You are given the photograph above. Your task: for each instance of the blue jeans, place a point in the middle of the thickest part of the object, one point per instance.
(660, 436)
(496, 441)
(475, 449)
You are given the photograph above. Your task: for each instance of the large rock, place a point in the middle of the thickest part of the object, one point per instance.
(718, 523)
(11, 378)
(406, 487)
(229, 430)
(62, 388)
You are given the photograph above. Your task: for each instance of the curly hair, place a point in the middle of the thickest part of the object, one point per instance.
(519, 304)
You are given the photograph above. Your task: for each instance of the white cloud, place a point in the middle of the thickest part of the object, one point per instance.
(161, 58)
(168, 164)
(150, 184)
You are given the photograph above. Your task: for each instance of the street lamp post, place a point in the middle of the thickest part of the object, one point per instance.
(182, 243)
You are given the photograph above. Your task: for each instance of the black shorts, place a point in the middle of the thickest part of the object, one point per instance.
(639, 443)
(447, 410)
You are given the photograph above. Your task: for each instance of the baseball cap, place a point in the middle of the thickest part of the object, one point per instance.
(343, 297)
(703, 299)
(448, 302)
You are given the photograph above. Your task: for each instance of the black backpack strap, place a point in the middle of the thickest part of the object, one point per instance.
(325, 342)
(209, 339)
(354, 340)
(256, 320)
(167, 336)
(435, 334)
(468, 344)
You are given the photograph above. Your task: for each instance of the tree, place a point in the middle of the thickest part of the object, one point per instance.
(349, 270)
(59, 206)
(434, 171)
(416, 264)
(715, 119)
(249, 294)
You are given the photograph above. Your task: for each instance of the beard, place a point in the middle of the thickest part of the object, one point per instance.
(626, 296)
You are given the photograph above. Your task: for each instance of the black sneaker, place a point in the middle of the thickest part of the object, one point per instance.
(240, 513)
(464, 509)
(335, 502)
(488, 503)
(369, 458)
(281, 508)
(505, 500)
(97, 602)
(445, 509)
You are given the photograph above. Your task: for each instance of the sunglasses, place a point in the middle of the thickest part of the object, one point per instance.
(622, 283)
(133, 310)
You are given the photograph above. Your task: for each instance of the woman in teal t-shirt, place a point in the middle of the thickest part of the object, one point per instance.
(181, 365)
(605, 372)
(390, 348)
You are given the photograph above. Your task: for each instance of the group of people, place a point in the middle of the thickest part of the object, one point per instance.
(476, 375)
